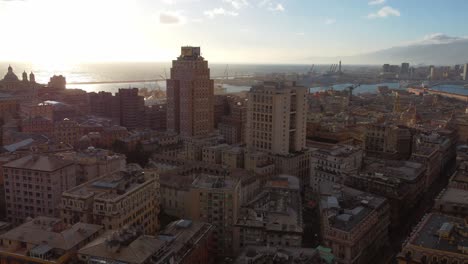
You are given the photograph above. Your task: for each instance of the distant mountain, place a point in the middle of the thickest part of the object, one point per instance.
(437, 54)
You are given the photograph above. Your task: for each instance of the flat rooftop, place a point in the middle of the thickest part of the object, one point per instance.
(336, 150)
(138, 251)
(454, 196)
(176, 240)
(286, 255)
(207, 181)
(51, 232)
(400, 169)
(110, 187)
(346, 206)
(46, 163)
(280, 210)
(434, 227)
(461, 175)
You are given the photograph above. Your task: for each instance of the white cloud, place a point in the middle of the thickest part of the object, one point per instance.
(269, 5)
(263, 3)
(219, 12)
(376, 2)
(276, 8)
(171, 17)
(300, 34)
(330, 21)
(237, 4)
(385, 11)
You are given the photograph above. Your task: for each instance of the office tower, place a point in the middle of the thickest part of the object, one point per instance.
(105, 104)
(386, 68)
(465, 72)
(404, 68)
(34, 185)
(132, 108)
(190, 98)
(276, 118)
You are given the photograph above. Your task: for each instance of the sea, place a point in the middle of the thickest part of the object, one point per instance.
(125, 71)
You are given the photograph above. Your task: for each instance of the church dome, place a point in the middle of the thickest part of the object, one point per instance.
(10, 76)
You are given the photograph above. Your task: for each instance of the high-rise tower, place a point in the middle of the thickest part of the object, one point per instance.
(276, 118)
(190, 95)
(465, 72)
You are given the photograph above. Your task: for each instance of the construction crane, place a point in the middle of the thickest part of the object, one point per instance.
(351, 88)
(311, 70)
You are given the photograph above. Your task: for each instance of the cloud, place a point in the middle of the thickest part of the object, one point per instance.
(330, 21)
(219, 12)
(437, 38)
(384, 12)
(263, 3)
(237, 4)
(300, 34)
(170, 17)
(376, 2)
(276, 8)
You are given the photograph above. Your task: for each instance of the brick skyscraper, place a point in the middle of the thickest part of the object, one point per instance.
(190, 95)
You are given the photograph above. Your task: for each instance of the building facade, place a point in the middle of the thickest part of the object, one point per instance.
(331, 163)
(132, 108)
(115, 201)
(190, 95)
(276, 118)
(34, 185)
(354, 224)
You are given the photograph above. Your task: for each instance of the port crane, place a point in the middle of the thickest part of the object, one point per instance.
(351, 89)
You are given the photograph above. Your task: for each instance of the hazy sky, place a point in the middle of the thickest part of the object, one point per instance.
(262, 31)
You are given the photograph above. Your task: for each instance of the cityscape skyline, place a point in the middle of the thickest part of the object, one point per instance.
(304, 31)
(250, 132)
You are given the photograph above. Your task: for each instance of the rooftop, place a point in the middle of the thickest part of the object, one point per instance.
(186, 174)
(441, 232)
(461, 175)
(89, 154)
(276, 208)
(454, 196)
(129, 246)
(407, 171)
(336, 150)
(37, 162)
(139, 250)
(208, 181)
(110, 187)
(259, 255)
(347, 207)
(46, 233)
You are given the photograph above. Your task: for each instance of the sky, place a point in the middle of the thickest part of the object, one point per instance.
(228, 31)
